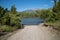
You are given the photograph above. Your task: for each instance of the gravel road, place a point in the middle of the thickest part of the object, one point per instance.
(34, 32)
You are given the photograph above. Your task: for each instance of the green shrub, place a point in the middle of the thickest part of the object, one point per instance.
(6, 28)
(57, 25)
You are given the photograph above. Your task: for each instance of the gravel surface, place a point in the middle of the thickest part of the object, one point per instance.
(34, 32)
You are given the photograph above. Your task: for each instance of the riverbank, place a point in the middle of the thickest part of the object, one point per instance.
(54, 25)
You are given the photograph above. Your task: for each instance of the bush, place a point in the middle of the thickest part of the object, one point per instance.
(57, 25)
(6, 28)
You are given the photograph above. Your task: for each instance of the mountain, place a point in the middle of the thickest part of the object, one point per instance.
(29, 11)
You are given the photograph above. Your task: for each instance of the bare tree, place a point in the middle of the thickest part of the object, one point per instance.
(55, 1)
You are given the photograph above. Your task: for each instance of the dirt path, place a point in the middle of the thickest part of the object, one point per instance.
(34, 32)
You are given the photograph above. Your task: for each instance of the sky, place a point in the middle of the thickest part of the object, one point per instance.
(22, 5)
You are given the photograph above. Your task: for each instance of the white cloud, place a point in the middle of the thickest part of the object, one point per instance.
(52, 1)
(45, 5)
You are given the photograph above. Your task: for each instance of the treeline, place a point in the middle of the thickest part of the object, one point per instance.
(28, 15)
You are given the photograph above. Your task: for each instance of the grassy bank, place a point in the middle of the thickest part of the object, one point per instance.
(55, 25)
(4, 29)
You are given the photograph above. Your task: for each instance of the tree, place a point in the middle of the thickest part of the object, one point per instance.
(59, 0)
(56, 7)
(55, 1)
(13, 9)
(14, 18)
(56, 10)
(2, 15)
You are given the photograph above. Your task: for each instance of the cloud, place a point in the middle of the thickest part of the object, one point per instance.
(45, 5)
(52, 1)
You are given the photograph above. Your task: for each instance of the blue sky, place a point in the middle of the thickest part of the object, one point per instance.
(22, 5)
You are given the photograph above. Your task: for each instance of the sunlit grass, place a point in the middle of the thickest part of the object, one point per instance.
(55, 25)
(5, 28)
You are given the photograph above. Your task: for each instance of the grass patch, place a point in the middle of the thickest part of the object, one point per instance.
(49, 23)
(55, 25)
(6, 28)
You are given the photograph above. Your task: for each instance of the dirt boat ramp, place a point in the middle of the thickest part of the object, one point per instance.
(34, 32)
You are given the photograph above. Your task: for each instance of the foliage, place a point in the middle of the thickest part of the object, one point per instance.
(56, 15)
(46, 14)
(10, 18)
(28, 15)
(57, 25)
(51, 16)
(14, 17)
(2, 13)
(56, 10)
(5, 28)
